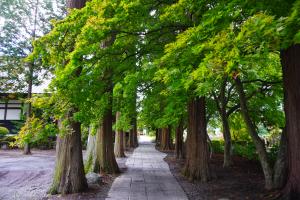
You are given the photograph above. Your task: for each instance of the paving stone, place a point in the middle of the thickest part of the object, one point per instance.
(147, 177)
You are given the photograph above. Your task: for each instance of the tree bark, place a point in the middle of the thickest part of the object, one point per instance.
(179, 142)
(119, 143)
(69, 174)
(197, 159)
(291, 75)
(135, 134)
(281, 164)
(130, 142)
(91, 154)
(221, 103)
(158, 139)
(105, 147)
(258, 142)
(125, 140)
(75, 4)
(166, 143)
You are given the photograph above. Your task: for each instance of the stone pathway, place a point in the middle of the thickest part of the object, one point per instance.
(147, 177)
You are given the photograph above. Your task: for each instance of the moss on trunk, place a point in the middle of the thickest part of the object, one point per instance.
(69, 174)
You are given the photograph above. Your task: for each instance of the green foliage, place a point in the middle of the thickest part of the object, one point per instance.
(23, 21)
(246, 150)
(3, 131)
(35, 131)
(157, 57)
(217, 146)
(238, 129)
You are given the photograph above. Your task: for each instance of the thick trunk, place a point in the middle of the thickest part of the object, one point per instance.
(156, 136)
(197, 159)
(135, 134)
(105, 148)
(75, 4)
(258, 142)
(125, 139)
(130, 142)
(281, 164)
(90, 164)
(166, 143)
(291, 75)
(179, 142)
(69, 172)
(119, 143)
(158, 140)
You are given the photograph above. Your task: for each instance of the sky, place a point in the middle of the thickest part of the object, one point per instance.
(42, 87)
(1, 21)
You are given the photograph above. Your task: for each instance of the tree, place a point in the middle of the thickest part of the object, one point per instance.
(166, 142)
(69, 174)
(119, 140)
(290, 67)
(179, 143)
(24, 21)
(197, 165)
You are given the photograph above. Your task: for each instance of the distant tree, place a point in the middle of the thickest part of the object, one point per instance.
(24, 21)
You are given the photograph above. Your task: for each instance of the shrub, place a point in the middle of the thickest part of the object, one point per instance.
(217, 146)
(246, 150)
(3, 131)
(36, 132)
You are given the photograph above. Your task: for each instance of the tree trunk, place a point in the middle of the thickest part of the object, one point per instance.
(105, 147)
(91, 155)
(75, 4)
(69, 172)
(166, 143)
(258, 142)
(130, 142)
(221, 103)
(179, 142)
(281, 164)
(125, 139)
(227, 140)
(156, 136)
(135, 134)
(291, 76)
(119, 143)
(197, 159)
(26, 150)
(158, 140)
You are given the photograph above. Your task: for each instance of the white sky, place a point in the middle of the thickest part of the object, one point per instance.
(42, 87)
(1, 22)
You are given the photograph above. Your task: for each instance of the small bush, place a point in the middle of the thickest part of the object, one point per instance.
(246, 150)
(37, 132)
(240, 148)
(3, 131)
(217, 146)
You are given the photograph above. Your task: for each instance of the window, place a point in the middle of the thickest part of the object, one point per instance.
(1, 114)
(13, 114)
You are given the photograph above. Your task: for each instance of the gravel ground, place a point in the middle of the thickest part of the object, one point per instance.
(27, 177)
(243, 181)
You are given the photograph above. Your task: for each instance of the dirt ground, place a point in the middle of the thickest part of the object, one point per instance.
(27, 177)
(243, 181)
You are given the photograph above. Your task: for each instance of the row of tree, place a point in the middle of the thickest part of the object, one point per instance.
(191, 62)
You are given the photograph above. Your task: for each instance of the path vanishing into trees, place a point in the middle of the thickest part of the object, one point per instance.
(147, 177)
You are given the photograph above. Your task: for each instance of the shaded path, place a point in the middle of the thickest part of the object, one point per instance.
(148, 177)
